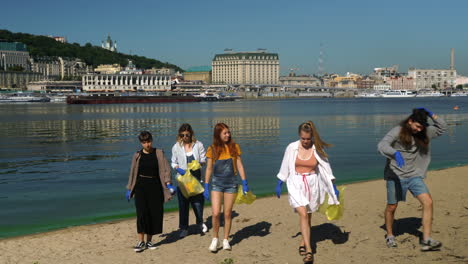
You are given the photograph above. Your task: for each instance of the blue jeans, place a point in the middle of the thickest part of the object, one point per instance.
(397, 188)
(197, 202)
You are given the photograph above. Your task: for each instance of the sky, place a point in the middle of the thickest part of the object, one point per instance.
(356, 36)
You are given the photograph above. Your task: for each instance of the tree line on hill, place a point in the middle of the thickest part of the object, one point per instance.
(39, 46)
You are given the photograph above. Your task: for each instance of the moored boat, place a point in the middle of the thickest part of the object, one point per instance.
(128, 99)
(23, 98)
(398, 94)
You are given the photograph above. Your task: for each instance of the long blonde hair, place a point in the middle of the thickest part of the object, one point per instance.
(309, 127)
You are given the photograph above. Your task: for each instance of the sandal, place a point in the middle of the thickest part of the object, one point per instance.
(309, 258)
(302, 250)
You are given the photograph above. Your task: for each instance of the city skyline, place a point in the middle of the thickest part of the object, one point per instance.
(356, 37)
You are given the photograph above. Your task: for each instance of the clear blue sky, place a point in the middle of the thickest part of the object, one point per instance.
(356, 35)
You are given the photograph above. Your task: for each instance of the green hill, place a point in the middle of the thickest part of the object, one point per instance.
(39, 46)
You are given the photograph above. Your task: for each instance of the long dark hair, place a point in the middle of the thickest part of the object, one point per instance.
(421, 139)
(309, 127)
(218, 145)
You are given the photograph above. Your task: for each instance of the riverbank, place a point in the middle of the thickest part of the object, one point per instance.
(267, 232)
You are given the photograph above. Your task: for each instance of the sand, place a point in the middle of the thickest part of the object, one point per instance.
(268, 232)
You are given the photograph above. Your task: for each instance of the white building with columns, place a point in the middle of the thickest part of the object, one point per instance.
(126, 82)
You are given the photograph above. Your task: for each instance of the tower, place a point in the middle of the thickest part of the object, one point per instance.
(452, 59)
(320, 61)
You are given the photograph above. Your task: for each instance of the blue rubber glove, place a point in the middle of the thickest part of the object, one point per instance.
(337, 193)
(206, 193)
(180, 171)
(127, 195)
(429, 113)
(171, 188)
(278, 188)
(245, 187)
(399, 159)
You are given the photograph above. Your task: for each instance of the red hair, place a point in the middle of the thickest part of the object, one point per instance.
(219, 145)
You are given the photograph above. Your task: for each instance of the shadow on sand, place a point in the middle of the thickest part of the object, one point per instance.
(259, 229)
(326, 231)
(409, 225)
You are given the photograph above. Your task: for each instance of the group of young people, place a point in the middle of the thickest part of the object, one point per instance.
(305, 169)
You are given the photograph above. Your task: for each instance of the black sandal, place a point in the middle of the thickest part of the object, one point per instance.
(302, 250)
(309, 258)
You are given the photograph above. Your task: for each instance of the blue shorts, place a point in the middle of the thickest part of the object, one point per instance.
(225, 188)
(397, 188)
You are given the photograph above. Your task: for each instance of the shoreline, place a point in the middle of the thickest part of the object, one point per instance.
(174, 210)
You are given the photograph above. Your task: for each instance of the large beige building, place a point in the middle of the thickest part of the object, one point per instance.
(125, 82)
(433, 78)
(258, 67)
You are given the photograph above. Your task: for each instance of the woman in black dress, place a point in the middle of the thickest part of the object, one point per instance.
(150, 183)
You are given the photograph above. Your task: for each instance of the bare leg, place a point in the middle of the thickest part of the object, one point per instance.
(305, 226)
(426, 201)
(149, 237)
(390, 217)
(216, 198)
(310, 223)
(141, 236)
(229, 199)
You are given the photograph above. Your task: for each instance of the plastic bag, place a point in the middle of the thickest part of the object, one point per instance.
(248, 198)
(333, 211)
(188, 184)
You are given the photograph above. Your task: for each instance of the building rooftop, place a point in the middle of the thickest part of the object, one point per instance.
(248, 55)
(199, 69)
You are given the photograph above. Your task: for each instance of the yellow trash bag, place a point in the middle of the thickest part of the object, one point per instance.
(188, 184)
(333, 211)
(248, 198)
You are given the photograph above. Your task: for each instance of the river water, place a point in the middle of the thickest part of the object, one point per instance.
(64, 165)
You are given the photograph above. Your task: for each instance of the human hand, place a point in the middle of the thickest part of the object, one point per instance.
(127, 195)
(399, 159)
(278, 188)
(429, 113)
(180, 171)
(337, 193)
(206, 193)
(171, 188)
(245, 187)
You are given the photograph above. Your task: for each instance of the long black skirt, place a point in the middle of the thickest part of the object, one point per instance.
(149, 203)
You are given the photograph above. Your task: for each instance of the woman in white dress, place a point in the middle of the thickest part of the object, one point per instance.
(307, 172)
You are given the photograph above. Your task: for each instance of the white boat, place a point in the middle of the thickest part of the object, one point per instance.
(57, 98)
(429, 94)
(397, 94)
(23, 98)
(459, 94)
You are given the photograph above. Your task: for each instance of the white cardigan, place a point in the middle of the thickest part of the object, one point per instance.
(324, 172)
(180, 159)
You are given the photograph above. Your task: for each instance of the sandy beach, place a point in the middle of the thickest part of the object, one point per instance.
(268, 232)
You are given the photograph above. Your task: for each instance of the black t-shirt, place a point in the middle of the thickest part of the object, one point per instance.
(148, 164)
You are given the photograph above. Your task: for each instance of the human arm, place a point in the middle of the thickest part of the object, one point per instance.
(241, 170)
(385, 145)
(174, 159)
(208, 172)
(438, 128)
(202, 153)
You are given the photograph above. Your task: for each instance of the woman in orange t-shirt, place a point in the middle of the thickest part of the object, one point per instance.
(224, 162)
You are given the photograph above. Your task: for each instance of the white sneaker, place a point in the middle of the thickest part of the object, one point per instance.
(214, 245)
(183, 233)
(226, 245)
(203, 228)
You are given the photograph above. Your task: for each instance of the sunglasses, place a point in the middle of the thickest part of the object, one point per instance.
(184, 135)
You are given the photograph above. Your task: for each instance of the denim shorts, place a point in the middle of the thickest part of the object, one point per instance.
(397, 188)
(225, 188)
